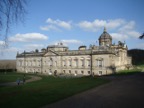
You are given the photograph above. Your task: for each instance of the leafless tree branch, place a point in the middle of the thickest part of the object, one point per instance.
(11, 11)
(142, 36)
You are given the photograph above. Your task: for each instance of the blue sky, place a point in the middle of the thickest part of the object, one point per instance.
(75, 23)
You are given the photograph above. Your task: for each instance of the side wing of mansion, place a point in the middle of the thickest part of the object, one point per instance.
(104, 59)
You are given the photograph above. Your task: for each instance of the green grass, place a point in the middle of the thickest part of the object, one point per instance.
(128, 72)
(11, 77)
(141, 66)
(45, 91)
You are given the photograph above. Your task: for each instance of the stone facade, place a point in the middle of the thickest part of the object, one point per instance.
(104, 59)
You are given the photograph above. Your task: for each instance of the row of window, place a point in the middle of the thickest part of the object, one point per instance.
(64, 71)
(99, 63)
(75, 72)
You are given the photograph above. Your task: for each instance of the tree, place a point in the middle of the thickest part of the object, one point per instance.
(11, 11)
(142, 36)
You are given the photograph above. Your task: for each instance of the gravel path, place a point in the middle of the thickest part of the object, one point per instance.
(121, 92)
(33, 78)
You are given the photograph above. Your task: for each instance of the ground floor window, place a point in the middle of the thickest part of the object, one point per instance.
(55, 72)
(88, 72)
(70, 71)
(100, 72)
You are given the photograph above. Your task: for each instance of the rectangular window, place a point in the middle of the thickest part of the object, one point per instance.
(70, 63)
(100, 63)
(51, 62)
(64, 63)
(88, 62)
(100, 72)
(56, 63)
(39, 63)
(26, 63)
(21, 63)
(18, 63)
(33, 63)
(82, 62)
(76, 63)
(70, 71)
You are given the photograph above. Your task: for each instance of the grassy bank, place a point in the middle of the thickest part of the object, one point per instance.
(137, 69)
(45, 91)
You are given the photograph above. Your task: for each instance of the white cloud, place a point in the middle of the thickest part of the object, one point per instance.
(60, 23)
(87, 26)
(121, 29)
(127, 26)
(68, 42)
(31, 47)
(9, 53)
(12, 49)
(6, 50)
(49, 27)
(112, 24)
(56, 25)
(119, 36)
(133, 34)
(126, 31)
(98, 24)
(124, 36)
(71, 41)
(2, 43)
(28, 37)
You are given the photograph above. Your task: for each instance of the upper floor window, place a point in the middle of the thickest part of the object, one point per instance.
(70, 62)
(64, 63)
(33, 63)
(100, 62)
(51, 62)
(82, 62)
(26, 63)
(56, 63)
(76, 62)
(88, 62)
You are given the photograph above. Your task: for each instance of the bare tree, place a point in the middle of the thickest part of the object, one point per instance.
(142, 36)
(11, 11)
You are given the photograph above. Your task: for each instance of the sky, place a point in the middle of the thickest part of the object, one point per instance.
(76, 23)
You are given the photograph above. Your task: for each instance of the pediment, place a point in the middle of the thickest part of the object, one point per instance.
(50, 53)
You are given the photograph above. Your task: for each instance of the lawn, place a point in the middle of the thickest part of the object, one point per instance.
(11, 77)
(45, 91)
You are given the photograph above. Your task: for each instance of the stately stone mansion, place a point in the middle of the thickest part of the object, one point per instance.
(107, 58)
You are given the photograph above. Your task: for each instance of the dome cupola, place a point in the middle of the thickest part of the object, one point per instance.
(105, 38)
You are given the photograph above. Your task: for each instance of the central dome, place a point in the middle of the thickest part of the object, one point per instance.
(105, 38)
(105, 35)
